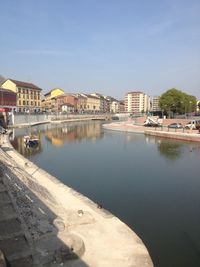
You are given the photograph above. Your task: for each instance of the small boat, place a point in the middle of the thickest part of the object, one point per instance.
(115, 118)
(31, 141)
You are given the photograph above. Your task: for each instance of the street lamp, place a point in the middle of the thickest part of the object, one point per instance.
(190, 109)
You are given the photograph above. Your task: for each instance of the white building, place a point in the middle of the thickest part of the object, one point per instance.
(155, 103)
(137, 102)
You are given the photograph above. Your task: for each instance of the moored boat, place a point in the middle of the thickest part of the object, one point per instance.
(31, 141)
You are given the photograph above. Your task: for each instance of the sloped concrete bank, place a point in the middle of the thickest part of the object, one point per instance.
(124, 127)
(64, 227)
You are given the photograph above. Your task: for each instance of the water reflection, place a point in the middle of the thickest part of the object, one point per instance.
(172, 149)
(57, 135)
(73, 133)
(131, 175)
(22, 148)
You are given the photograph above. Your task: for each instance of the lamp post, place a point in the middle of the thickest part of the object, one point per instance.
(190, 109)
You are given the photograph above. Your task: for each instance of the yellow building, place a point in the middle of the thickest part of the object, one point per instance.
(92, 103)
(28, 94)
(49, 103)
(81, 102)
(88, 103)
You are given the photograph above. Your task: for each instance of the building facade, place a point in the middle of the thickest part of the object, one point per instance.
(49, 103)
(67, 100)
(93, 104)
(28, 95)
(137, 102)
(104, 103)
(81, 103)
(155, 103)
(88, 103)
(8, 100)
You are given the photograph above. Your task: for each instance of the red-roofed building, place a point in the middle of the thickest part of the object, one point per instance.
(66, 102)
(28, 95)
(8, 100)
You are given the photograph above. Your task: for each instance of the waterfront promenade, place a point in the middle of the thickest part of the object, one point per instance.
(62, 227)
(131, 126)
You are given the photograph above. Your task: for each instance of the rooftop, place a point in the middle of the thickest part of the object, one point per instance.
(6, 90)
(25, 84)
(52, 91)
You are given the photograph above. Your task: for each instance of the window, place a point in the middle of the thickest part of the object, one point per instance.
(24, 102)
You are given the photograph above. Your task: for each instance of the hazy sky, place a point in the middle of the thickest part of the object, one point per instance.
(107, 46)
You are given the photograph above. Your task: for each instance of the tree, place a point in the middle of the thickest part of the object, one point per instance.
(198, 105)
(176, 101)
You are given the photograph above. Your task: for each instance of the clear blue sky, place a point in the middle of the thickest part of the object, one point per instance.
(107, 46)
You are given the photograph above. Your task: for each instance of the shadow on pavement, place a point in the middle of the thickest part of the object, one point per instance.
(31, 234)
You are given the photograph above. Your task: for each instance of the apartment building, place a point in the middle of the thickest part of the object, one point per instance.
(104, 102)
(81, 102)
(8, 100)
(92, 104)
(67, 102)
(49, 103)
(155, 103)
(137, 102)
(28, 95)
(87, 103)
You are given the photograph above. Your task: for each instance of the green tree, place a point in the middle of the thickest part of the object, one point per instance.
(176, 101)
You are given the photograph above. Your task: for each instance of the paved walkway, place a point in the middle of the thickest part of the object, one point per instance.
(13, 242)
(180, 134)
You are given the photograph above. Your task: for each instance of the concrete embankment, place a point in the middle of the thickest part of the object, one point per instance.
(192, 137)
(179, 134)
(64, 227)
(124, 127)
(24, 121)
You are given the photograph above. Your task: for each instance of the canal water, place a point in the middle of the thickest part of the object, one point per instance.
(151, 184)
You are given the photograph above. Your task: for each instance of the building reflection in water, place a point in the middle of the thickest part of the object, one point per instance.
(57, 135)
(73, 133)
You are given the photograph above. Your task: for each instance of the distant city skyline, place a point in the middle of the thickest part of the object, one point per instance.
(110, 47)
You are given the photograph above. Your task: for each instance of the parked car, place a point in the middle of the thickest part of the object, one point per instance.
(175, 125)
(152, 124)
(193, 124)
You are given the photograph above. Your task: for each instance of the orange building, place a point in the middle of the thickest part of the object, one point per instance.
(67, 99)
